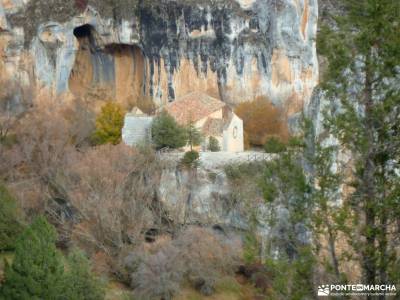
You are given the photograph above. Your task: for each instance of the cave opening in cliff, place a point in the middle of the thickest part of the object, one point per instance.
(82, 73)
(115, 71)
(83, 31)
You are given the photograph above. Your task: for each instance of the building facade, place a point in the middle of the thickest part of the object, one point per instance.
(137, 128)
(212, 117)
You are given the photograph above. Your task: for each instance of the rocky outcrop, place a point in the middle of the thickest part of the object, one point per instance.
(205, 195)
(201, 195)
(160, 50)
(196, 197)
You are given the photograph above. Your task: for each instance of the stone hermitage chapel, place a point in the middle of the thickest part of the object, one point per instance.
(212, 117)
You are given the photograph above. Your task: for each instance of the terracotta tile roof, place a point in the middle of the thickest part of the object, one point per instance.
(214, 127)
(193, 107)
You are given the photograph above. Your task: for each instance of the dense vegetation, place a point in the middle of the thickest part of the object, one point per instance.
(213, 144)
(363, 79)
(274, 145)
(193, 136)
(37, 270)
(342, 190)
(191, 159)
(101, 200)
(10, 220)
(167, 133)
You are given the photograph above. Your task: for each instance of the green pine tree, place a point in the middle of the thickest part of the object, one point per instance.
(194, 137)
(37, 270)
(213, 144)
(166, 132)
(328, 217)
(10, 224)
(79, 282)
(287, 193)
(363, 75)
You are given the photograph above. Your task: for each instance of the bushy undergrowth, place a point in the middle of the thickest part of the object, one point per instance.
(213, 144)
(167, 133)
(10, 221)
(292, 278)
(274, 145)
(37, 270)
(238, 171)
(245, 193)
(191, 159)
(197, 256)
(79, 282)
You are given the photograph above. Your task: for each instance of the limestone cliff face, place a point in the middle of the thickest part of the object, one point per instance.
(160, 50)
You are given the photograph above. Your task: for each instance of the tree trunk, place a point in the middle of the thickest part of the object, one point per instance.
(332, 250)
(367, 181)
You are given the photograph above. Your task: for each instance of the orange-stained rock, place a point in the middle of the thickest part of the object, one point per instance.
(81, 76)
(129, 75)
(236, 53)
(281, 68)
(304, 20)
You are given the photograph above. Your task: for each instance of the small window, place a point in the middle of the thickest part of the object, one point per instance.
(235, 132)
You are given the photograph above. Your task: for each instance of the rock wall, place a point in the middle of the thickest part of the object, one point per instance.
(208, 197)
(204, 196)
(234, 49)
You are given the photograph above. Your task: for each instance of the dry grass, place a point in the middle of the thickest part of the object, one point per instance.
(117, 291)
(228, 288)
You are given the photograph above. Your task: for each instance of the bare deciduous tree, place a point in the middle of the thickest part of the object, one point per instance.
(112, 187)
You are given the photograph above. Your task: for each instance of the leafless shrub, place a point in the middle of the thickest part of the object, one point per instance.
(33, 162)
(160, 275)
(127, 263)
(198, 255)
(112, 187)
(45, 135)
(81, 121)
(13, 99)
(206, 255)
(44, 139)
(109, 190)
